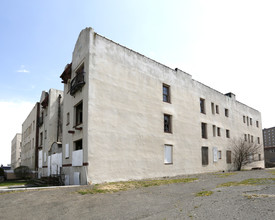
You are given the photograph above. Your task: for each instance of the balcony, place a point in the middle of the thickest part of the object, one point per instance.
(77, 83)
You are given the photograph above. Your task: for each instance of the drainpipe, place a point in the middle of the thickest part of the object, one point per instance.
(58, 118)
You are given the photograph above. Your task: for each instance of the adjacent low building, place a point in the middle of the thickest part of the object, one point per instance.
(127, 116)
(29, 147)
(16, 151)
(50, 133)
(269, 146)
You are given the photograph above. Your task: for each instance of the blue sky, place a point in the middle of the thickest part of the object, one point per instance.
(227, 45)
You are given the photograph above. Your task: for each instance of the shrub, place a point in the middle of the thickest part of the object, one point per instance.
(22, 172)
(2, 172)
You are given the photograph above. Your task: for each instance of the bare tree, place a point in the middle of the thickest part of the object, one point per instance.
(243, 152)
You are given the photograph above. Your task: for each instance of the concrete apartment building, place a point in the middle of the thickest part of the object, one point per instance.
(16, 151)
(50, 133)
(269, 146)
(129, 117)
(29, 147)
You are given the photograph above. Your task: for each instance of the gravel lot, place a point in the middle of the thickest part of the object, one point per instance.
(174, 201)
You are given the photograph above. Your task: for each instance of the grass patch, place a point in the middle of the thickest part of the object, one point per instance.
(249, 182)
(13, 183)
(272, 172)
(223, 175)
(123, 186)
(204, 193)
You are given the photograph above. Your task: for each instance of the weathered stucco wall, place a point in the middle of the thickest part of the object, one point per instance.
(16, 151)
(123, 129)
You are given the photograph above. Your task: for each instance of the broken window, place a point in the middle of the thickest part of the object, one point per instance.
(79, 113)
(204, 155)
(78, 145)
(166, 93)
(167, 123)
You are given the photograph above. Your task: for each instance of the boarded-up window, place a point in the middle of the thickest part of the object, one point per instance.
(228, 156)
(168, 154)
(67, 152)
(215, 154)
(204, 155)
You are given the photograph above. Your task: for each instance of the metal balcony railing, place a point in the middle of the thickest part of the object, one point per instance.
(77, 83)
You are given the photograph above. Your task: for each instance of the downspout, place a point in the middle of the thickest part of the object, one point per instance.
(37, 136)
(58, 118)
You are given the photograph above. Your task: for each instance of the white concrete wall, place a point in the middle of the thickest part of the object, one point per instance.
(123, 136)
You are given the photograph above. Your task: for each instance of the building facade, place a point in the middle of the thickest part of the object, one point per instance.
(29, 147)
(16, 151)
(50, 133)
(269, 146)
(129, 117)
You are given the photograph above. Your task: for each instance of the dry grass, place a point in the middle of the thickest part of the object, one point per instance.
(249, 182)
(223, 175)
(123, 186)
(204, 193)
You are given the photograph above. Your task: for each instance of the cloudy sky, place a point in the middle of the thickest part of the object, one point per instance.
(227, 45)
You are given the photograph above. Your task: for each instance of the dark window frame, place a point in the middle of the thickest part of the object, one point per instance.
(204, 156)
(167, 120)
(228, 157)
(166, 93)
(78, 113)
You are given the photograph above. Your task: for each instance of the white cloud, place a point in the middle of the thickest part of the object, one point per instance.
(22, 69)
(12, 115)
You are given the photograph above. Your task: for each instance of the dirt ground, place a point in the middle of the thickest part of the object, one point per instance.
(173, 201)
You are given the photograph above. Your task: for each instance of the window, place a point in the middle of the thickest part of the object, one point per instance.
(167, 123)
(79, 113)
(248, 137)
(202, 105)
(226, 112)
(78, 145)
(247, 121)
(204, 155)
(68, 118)
(214, 130)
(258, 140)
(259, 156)
(227, 133)
(45, 134)
(220, 154)
(166, 93)
(250, 121)
(213, 108)
(204, 130)
(243, 119)
(245, 137)
(252, 139)
(219, 131)
(228, 156)
(257, 124)
(67, 151)
(41, 138)
(168, 154)
(217, 109)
